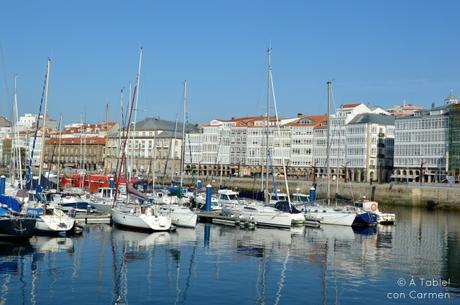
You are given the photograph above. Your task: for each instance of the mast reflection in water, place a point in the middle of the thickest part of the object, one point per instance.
(224, 265)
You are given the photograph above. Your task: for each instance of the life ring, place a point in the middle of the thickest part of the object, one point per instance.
(373, 207)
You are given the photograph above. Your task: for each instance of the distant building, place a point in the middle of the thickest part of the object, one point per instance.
(404, 110)
(79, 153)
(422, 143)
(338, 158)
(370, 147)
(5, 131)
(154, 145)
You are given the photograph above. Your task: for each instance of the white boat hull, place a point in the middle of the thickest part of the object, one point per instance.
(102, 206)
(182, 216)
(331, 217)
(263, 217)
(142, 221)
(54, 224)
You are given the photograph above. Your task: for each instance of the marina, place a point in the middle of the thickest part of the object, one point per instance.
(229, 152)
(260, 266)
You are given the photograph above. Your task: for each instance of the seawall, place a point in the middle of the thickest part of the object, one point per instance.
(426, 195)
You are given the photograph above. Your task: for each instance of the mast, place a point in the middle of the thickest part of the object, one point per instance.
(136, 100)
(123, 149)
(172, 148)
(183, 137)
(329, 92)
(17, 147)
(338, 129)
(59, 154)
(153, 167)
(42, 154)
(106, 137)
(267, 194)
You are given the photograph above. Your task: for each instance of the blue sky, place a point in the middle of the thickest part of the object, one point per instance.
(377, 52)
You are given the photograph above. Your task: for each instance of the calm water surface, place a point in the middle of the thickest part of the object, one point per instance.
(222, 265)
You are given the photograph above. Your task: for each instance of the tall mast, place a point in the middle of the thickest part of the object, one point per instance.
(59, 154)
(267, 194)
(138, 80)
(172, 148)
(329, 92)
(125, 140)
(42, 154)
(16, 146)
(106, 137)
(183, 137)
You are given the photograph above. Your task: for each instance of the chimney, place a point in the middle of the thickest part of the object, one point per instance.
(432, 105)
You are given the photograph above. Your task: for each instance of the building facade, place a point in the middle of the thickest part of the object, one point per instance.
(422, 144)
(154, 146)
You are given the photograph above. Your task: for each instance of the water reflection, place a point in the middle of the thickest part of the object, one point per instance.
(329, 265)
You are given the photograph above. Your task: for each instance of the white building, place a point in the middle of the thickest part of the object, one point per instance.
(337, 138)
(422, 143)
(370, 147)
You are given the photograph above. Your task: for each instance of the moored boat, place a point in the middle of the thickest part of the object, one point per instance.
(141, 218)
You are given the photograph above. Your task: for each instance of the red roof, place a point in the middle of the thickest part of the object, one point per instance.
(349, 105)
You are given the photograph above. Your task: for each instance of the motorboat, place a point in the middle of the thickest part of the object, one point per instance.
(276, 197)
(373, 207)
(227, 197)
(103, 199)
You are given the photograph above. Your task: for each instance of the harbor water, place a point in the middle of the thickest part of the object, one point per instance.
(417, 261)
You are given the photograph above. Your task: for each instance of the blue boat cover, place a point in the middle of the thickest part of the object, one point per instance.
(10, 202)
(3, 212)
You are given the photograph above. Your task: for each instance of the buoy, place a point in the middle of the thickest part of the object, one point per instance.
(373, 207)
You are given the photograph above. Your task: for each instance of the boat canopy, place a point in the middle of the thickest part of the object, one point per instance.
(10, 202)
(286, 207)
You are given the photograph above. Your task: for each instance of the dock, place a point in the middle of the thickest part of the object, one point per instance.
(216, 218)
(93, 218)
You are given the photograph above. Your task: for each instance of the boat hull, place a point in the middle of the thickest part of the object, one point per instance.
(331, 217)
(52, 224)
(263, 218)
(183, 217)
(365, 219)
(17, 228)
(126, 218)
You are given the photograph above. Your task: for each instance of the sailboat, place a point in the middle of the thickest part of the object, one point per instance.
(266, 215)
(344, 216)
(136, 216)
(181, 215)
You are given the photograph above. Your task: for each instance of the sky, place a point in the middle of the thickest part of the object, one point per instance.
(376, 52)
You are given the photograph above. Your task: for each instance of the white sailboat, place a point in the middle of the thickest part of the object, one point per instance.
(327, 214)
(264, 214)
(136, 216)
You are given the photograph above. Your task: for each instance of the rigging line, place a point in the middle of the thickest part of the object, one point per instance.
(29, 167)
(279, 134)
